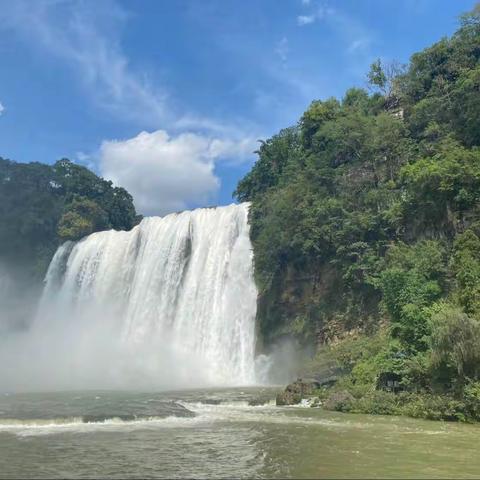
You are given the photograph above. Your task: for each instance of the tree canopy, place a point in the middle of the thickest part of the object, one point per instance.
(43, 205)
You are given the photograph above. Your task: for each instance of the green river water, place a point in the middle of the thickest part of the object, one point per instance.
(216, 434)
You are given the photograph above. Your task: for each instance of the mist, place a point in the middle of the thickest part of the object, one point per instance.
(282, 362)
(18, 300)
(85, 350)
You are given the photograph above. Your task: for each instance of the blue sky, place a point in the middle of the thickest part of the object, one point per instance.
(168, 98)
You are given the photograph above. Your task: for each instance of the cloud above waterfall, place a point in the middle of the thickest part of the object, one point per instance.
(169, 173)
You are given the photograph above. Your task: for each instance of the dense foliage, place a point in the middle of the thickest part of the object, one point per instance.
(43, 205)
(365, 218)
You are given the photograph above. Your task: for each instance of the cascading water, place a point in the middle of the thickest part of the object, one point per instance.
(180, 284)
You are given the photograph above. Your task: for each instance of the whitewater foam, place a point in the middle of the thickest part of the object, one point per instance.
(173, 299)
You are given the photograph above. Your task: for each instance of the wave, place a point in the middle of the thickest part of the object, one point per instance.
(33, 427)
(201, 413)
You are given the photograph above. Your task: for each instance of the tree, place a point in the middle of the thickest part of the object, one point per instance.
(81, 217)
(465, 265)
(385, 77)
(455, 342)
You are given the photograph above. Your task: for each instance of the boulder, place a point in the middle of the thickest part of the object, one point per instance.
(296, 391)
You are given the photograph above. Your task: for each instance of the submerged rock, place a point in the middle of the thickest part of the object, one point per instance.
(296, 391)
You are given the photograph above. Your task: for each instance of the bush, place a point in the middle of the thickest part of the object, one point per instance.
(472, 400)
(378, 403)
(352, 350)
(434, 407)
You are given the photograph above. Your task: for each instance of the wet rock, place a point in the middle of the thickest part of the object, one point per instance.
(296, 391)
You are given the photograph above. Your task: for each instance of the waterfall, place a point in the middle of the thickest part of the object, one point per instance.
(181, 284)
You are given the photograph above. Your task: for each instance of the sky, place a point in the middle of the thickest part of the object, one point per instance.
(169, 98)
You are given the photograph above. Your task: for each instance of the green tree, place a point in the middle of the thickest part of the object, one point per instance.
(455, 343)
(82, 217)
(465, 264)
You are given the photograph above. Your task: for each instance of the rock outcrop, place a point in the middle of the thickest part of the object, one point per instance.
(296, 391)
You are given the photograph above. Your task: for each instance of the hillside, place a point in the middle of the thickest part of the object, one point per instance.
(365, 221)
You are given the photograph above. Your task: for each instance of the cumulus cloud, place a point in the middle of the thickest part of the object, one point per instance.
(305, 19)
(165, 173)
(2, 108)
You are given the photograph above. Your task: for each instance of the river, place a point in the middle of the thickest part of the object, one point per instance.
(215, 433)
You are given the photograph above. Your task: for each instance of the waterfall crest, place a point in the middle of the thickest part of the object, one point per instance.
(182, 283)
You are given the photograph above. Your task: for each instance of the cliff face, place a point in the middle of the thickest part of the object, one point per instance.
(307, 304)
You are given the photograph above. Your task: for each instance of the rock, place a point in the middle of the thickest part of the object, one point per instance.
(296, 391)
(339, 401)
(287, 398)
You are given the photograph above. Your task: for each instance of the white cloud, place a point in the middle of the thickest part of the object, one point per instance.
(86, 37)
(358, 44)
(282, 49)
(320, 13)
(305, 2)
(163, 173)
(356, 37)
(2, 108)
(305, 19)
(166, 174)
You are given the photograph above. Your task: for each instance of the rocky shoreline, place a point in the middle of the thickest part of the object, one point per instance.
(330, 395)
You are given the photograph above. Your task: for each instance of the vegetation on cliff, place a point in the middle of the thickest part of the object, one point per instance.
(365, 219)
(43, 205)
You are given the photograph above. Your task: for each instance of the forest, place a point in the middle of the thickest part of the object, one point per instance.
(365, 224)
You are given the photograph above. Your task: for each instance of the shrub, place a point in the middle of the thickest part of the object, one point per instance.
(434, 407)
(378, 403)
(472, 400)
(341, 401)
